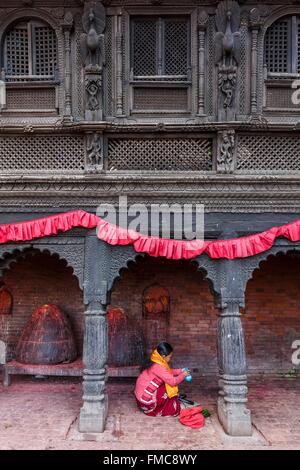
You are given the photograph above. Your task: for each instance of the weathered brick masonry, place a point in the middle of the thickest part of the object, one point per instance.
(271, 318)
(35, 281)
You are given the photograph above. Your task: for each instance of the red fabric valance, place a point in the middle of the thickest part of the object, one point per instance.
(173, 249)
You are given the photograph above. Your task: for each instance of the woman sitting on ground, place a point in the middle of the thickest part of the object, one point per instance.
(156, 388)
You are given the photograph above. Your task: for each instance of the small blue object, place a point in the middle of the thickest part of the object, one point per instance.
(188, 378)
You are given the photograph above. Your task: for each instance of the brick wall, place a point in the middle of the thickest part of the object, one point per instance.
(272, 314)
(37, 280)
(192, 321)
(271, 318)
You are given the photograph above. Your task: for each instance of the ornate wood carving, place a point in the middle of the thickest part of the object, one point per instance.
(255, 25)
(227, 56)
(93, 58)
(226, 151)
(202, 25)
(92, 41)
(67, 27)
(119, 66)
(94, 155)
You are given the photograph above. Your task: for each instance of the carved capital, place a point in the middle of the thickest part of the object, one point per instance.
(202, 20)
(96, 299)
(255, 19)
(257, 121)
(68, 21)
(228, 305)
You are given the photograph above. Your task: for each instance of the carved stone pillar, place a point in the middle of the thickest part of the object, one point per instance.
(67, 26)
(232, 410)
(119, 67)
(2, 91)
(255, 25)
(202, 25)
(95, 348)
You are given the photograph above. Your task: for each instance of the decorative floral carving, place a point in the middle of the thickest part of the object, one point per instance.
(227, 78)
(202, 19)
(93, 89)
(255, 18)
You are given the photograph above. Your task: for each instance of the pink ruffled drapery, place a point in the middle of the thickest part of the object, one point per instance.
(154, 246)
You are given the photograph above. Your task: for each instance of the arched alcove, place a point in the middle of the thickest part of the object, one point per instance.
(271, 317)
(191, 311)
(35, 279)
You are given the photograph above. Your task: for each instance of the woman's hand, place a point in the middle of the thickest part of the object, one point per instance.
(186, 373)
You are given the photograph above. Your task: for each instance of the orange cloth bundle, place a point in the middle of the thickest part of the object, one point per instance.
(192, 417)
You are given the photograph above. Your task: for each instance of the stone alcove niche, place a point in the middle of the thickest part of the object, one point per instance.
(156, 315)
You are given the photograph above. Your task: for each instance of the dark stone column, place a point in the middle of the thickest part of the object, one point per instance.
(95, 349)
(232, 410)
(94, 410)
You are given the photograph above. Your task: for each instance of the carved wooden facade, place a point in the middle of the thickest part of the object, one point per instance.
(162, 102)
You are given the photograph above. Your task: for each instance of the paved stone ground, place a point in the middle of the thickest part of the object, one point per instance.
(43, 413)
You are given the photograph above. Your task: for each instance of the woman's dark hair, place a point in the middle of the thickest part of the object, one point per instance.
(164, 349)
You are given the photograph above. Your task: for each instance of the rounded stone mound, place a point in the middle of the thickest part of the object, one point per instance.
(125, 340)
(47, 338)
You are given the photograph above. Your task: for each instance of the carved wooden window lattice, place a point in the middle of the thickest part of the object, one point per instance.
(169, 154)
(258, 153)
(160, 48)
(282, 46)
(30, 52)
(31, 154)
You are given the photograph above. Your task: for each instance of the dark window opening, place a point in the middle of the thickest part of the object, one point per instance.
(160, 48)
(282, 54)
(30, 52)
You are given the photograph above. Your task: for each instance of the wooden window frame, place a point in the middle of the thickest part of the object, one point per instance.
(31, 76)
(292, 60)
(160, 76)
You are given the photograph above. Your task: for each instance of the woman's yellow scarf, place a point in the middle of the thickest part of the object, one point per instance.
(158, 359)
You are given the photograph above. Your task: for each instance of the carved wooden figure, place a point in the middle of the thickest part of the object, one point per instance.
(227, 56)
(92, 41)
